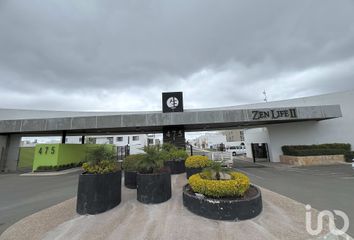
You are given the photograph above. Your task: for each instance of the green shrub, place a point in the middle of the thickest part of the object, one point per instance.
(101, 160)
(197, 161)
(178, 155)
(102, 152)
(58, 167)
(235, 187)
(171, 152)
(168, 147)
(130, 163)
(316, 150)
(349, 156)
(153, 160)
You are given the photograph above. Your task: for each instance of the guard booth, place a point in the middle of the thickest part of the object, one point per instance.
(260, 152)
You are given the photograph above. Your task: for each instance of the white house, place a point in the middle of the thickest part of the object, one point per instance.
(135, 142)
(209, 140)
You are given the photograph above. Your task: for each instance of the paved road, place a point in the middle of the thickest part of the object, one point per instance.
(23, 196)
(323, 187)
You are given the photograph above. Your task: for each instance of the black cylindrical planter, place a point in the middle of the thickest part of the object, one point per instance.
(153, 188)
(130, 179)
(176, 166)
(192, 171)
(223, 209)
(98, 193)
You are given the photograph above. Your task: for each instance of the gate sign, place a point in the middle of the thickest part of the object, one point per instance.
(174, 135)
(172, 102)
(273, 114)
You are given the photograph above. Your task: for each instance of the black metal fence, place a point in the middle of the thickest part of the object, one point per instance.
(122, 152)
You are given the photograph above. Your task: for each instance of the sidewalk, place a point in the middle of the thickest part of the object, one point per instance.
(244, 162)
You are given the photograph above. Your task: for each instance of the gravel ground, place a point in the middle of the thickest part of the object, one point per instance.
(282, 218)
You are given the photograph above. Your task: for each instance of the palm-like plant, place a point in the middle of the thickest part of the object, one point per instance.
(169, 147)
(102, 152)
(153, 160)
(215, 171)
(101, 160)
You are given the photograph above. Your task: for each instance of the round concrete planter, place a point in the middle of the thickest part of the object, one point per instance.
(130, 179)
(224, 209)
(153, 188)
(192, 171)
(176, 166)
(98, 193)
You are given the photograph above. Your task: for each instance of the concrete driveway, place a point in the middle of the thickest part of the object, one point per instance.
(22, 196)
(323, 187)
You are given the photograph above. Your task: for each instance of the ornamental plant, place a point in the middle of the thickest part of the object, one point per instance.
(178, 155)
(236, 186)
(130, 163)
(168, 147)
(198, 161)
(153, 160)
(173, 152)
(101, 160)
(216, 171)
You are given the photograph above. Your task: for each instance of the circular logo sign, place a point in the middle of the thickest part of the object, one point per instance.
(172, 102)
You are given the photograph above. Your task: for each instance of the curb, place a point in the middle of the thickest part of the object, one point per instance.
(56, 173)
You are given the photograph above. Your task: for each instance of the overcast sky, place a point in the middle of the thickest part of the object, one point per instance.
(120, 55)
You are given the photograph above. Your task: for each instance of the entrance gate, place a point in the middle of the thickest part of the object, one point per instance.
(260, 151)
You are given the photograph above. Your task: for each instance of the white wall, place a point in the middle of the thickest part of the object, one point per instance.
(302, 133)
(136, 146)
(339, 130)
(255, 135)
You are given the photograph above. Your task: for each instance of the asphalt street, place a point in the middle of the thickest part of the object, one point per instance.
(22, 196)
(323, 187)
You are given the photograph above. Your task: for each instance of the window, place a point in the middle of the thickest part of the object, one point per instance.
(150, 141)
(242, 136)
(119, 139)
(135, 138)
(110, 140)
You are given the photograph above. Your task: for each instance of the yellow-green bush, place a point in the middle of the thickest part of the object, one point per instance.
(197, 161)
(235, 187)
(104, 166)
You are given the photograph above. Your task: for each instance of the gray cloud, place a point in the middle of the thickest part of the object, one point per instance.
(120, 55)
